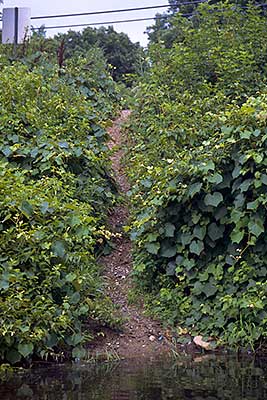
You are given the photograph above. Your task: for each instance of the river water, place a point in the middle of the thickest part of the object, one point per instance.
(197, 378)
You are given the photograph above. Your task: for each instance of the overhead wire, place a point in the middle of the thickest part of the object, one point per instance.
(133, 20)
(105, 22)
(120, 10)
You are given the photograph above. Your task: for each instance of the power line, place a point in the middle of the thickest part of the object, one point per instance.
(119, 10)
(125, 20)
(105, 23)
(136, 19)
(124, 10)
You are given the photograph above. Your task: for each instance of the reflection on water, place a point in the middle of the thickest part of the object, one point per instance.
(199, 378)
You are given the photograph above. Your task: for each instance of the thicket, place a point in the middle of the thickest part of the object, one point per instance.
(197, 164)
(55, 191)
(164, 29)
(124, 58)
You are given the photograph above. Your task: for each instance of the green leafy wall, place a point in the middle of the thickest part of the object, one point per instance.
(199, 180)
(55, 192)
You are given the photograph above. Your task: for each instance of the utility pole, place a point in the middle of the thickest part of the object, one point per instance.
(16, 25)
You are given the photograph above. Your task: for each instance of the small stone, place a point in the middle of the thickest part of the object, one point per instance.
(152, 338)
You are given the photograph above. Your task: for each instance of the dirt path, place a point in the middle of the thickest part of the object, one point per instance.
(140, 336)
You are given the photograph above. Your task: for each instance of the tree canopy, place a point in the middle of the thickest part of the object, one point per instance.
(120, 52)
(162, 30)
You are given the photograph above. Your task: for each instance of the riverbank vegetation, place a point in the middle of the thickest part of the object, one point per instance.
(197, 164)
(196, 160)
(56, 189)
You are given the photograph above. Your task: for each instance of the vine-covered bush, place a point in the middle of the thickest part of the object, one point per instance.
(55, 191)
(199, 193)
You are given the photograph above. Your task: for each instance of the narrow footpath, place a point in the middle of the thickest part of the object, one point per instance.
(140, 335)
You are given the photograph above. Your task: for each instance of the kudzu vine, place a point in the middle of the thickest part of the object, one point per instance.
(197, 164)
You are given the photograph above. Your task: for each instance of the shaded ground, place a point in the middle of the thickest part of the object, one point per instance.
(140, 335)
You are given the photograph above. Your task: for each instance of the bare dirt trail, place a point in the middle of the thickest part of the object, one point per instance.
(140, 335)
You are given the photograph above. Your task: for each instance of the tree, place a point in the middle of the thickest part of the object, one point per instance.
(162, 29)
(120, 52)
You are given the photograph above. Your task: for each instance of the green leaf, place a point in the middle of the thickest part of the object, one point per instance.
(220, 213)
(34, 152)
(197, 289)
(52, 340)
(152, 248)
(79, 353)
(215, 231)
(209, 289)
(152, 237)
(236, 171)
(13, 357)
(169, 230)
(25, 349)
(258, 158)
(253, 205)
(264, 179)
(75, 339)
(6, 151)
(237, 236)
(167, 250)
(44, 207)
(75, 298)
(186, 238)
(26, 208)
(58, 248)
(226, 130)
(207, 166)
(196, 247)
(256, 227)
(188, 264)
(170, 270)
(257, 133)
(236, 215)
(71, 277)
(74, 220)
(196, 217)
(245, 185)
(239, 201)
(4, 284)
(146, 183)
(216, 178)
(200, 232)
(194, 188)
(63, 145)
(245, 135)
(213, 199)
(78, 151)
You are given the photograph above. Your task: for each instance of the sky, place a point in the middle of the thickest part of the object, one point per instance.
(135, 30)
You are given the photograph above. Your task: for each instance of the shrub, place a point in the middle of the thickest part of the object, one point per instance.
(55, 192)
(199, 192)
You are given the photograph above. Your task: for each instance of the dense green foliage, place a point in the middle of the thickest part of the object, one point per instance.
(55, 191)
(123, 56)
(164, 28)
(198, 168)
